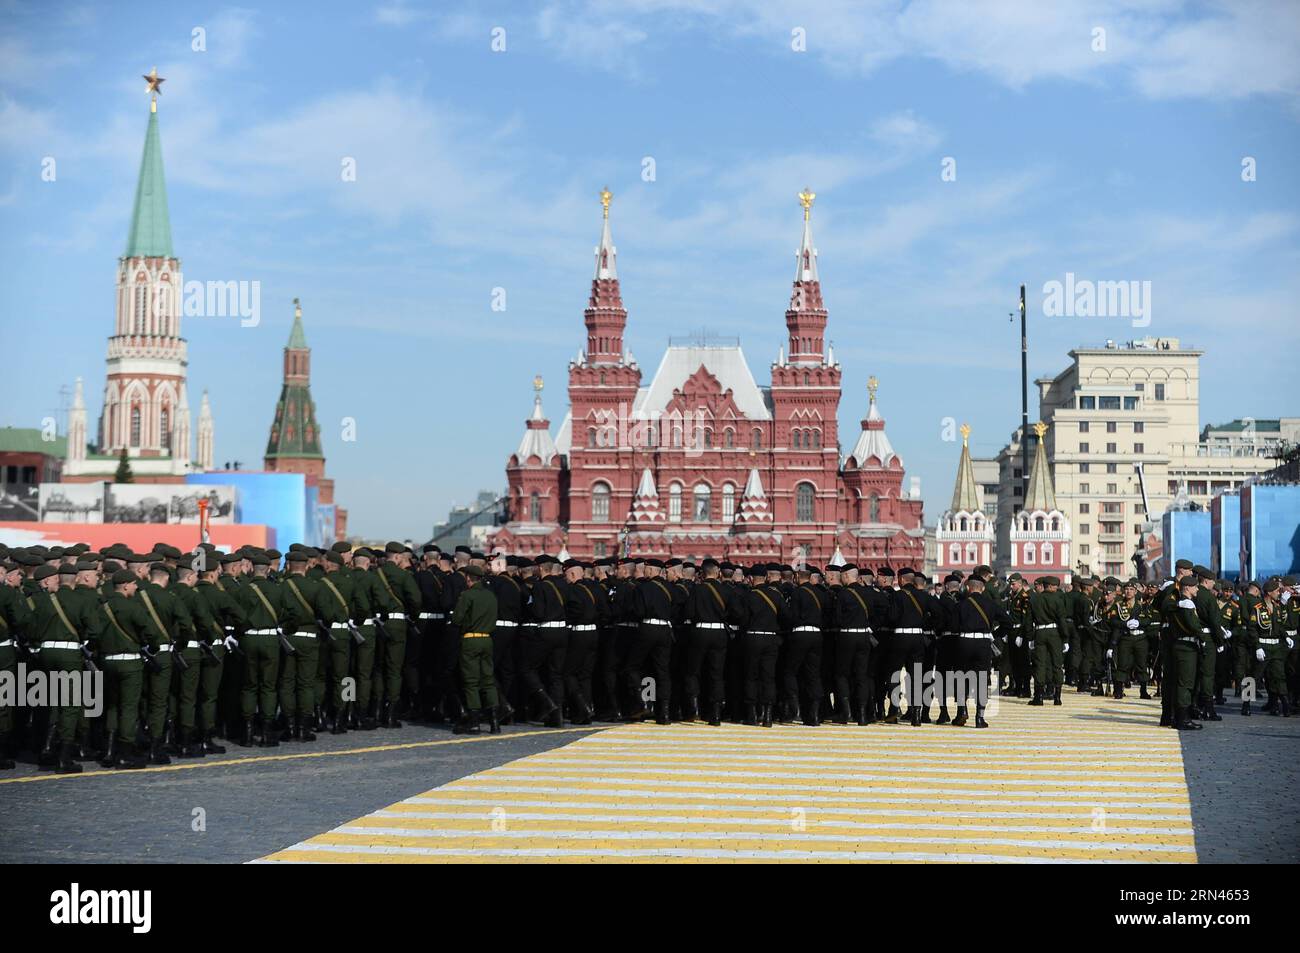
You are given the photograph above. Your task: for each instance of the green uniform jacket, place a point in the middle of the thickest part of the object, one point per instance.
(127, 629)
(177, 624)
(298, 614)
(476, 611)
(256, 613)
(401, 593)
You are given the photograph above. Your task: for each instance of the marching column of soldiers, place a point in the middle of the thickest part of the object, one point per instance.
(259, 647)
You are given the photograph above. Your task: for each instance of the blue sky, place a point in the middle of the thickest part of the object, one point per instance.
(479, 170)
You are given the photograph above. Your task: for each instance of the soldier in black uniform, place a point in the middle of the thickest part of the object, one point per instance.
(978, 616)
(511, 596)
(613, 641)
(706, 644)
(853, 635)
(802, 675)
(762, 614)
(947, 654)
(548, 642)
(652, 605)
(915, 617)
(582, 610)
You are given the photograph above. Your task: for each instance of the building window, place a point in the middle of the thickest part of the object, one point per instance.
(756, 439)
(708, 438)
(1112, 468)
(165, 426)
(817, 439)
(1087, 403)
(1083, 447)
(794, 439)
(598, 549)
(1108, 403)
(1047, 554)
(600, 502)
(1085, 529)
(1112, 426)
(954, 554)
(1084, 549)
(534, 507)
(1083, 426)
(675, 503)
(873, 509)
(1030, 553)
(1112, 448)
(1160, 392)
(729, 438)
(135, 425)
(701, 508)
(591, 436)
(728, 502)
(1130, 403)
(1083, 507)
(1139, 448)
(803, 502)
(1084, 488)
(972, 553)
(1196, 487)
(1139, 427)
(1112, 487)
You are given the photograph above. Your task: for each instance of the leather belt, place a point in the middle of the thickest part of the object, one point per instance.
(1270, 641)
(1049, 625)
(585, 627)
(123, 657)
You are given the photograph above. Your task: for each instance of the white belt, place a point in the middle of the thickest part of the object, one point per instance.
(6, 642)
(304, 633)
(584, 628)
(432, 615)
(909, 631)
(1049, 625)
(507, 623)
(165, 647)
(1190, 638)
(760, 633)
(1269, 641)
(123, 657)
(260, 632)
(551, 625)
(1291, 632)
(977, 635)
(338, 625)
(188, 645)
(655, 622)
(397, 615)
(853, 631)
(629, 625)
(60, 645)
(1205, 631)
(710, 625)
(806, 628)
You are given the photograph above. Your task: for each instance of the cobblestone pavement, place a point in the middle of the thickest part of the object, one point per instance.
(1092, 780)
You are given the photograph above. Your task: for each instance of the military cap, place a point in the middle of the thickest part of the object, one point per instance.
(340, 547)
(44, 572)
(1015, 577)
(257, 559)
(1288, 581)
(572, 564)
(810, 569)
(605, 561)
(464, 549)
(84, 565)
(954, 577)
(1273, 585)
(444, 557)
(297, 556)
(67, 569)
(28, 559)
(229, 558)
(476, 554)
(143, 558)
(1203, 572)
(847, 567)
(273, 555)
(885, 571)
(429, 548)
(122, 577)
(167, 552)
(394, 547)
(520, 561)
(334, 558)
(294, 547)
(674, 561)
(54, 552)
(1131, 583)
(471, 570)
(709, 563)
(110, 566)
(1184, 564)
(363, 552)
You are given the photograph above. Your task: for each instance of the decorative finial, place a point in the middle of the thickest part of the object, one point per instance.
(806, 198)
(605, 196)
(965, 434)
(537, 383)
(154, 88)
(297, 308)
(1040, 428)
(872, 384)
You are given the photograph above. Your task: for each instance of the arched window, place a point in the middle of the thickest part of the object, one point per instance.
(700, 510)
(534, 507)
(961, 524)
(600, 502)
(971, 553)
(757, 438)
(675, 503)
(1038, 523)
(1047, 554)
(141, 307)
(1030, 553)
(135, 425)
(817, 439)
(1056, 525)
(728, 438)
(708, 437)
(873, 509)
(165, 425)
(728, 502)
(591, 436)
(794, 439)
(954, 553)
(806, 379)
(804, 495)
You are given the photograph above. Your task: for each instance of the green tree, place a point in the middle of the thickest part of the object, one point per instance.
(123, 474)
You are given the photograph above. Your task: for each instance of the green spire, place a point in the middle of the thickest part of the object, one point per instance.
(151, 230)
(1041, 494)
(965, 495)
(297, 339)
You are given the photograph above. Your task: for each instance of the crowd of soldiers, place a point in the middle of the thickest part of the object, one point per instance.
(260, 647)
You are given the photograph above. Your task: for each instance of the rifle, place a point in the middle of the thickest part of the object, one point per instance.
(284, 642)
(207, 650)
(150, 659)
(89, 656)
(357, 635)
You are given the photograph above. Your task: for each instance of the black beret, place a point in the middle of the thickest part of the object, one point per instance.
(394, 547)
(1203, 572)
(464, 549)
(67, 569)
(334, 558)
(1184, 564)
(340, 547)
(885, 571)
(257, 559)
(274, 554)
(297, 556)
(477, 555)
(122, 577)
(572, 564)
(44, 572)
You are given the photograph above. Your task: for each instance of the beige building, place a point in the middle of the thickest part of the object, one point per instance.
(1120, 416)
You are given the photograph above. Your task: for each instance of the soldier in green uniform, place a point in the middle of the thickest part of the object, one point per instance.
(59, 627)
(1019, 635)
(123, 630)
(400, 602)
(1047, 616)
(260, 644)
(1271, 647)
(15, 618)
(298, 668)
(368, 592)
(171, 628)
(1090, 637)
(227, 618)
(1212, 642)
(1166, 604)
(475, 616)
(1289, 613)
(1185, 638)
(1129, 619)
(340, 605)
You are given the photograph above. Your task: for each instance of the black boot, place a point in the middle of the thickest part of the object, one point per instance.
(1185, 722)
(270, 733)
(842, 712)
(210, 746)
(302, 731)
(506, 713)
(661, 713)
(49, 754)
(246, 734)
(1209, 714)
(1119, 691)
(1245, 709)
(339, 724)
(318, 719)
(914, 716)
(467, 724)
(110, 752)
(581, 711)
(925, 715)
(1038, 695)
(943, 718)
(765, 715)
(1100, 690)
(751, 714)
(690, 709)
(715, 714)
(388, 716)
(546, 707)
(1143, 694)
(67, 764)
(1056, 695)
(132, 758)
(979, 718)
(1286, 706)
(158, 752)
(494, 723)
(193, 746)
(814, 714)
(960, 720)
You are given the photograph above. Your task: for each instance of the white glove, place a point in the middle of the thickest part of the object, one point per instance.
(1290, 642)
(1259, 654)
(1031, 645)
(1286, 596)
(1110, 653)
(1221, 648)
(1227, 633)
(1167, 584)
(1019, 641)
(1133, 623)
(1065, 647)
(1186, 604)
(231, 642)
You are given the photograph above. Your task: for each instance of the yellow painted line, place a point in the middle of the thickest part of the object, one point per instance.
(219, 762)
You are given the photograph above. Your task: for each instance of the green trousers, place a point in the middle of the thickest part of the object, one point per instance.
(476, 673)
(8, 663)
(1049, 669)
(298, 675)
(1183, 658)
(1274, 668)
(210, 672)
(185, 691)
(157, 694)
(123, 680)
(363, 658)
(59, 663)
(388, 672)
(1131, 658)
(1206, 661)
(261, 666)
(340, 658)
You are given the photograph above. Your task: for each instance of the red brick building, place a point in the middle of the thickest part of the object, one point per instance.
(703, 460)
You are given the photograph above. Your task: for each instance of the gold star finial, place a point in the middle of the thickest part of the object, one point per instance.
(537, 383)
(154, 88)
(872, 384)
(965, 434)
(1040, 428)
(605, 196)
(806, 198)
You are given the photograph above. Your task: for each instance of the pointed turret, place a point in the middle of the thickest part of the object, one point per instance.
(1041, 494)
(873, 442)
(754, 512)
(151, 229)
(605, 316)
(77, 424)
(180, 441)
(204, 445)
(806, 317)
(537, 440)
(966, 494)
(645, 504)
(295, 437)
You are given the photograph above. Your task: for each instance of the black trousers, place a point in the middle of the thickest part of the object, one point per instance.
(907, 653)
(650, 649)
(446, 651)
(972, 660)
(760, 667)
(803, 667)
(505, 639)
(853, 669)
(544, 652)
(611, 655)
(706, 663)
(579, 664)
(418, 642)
